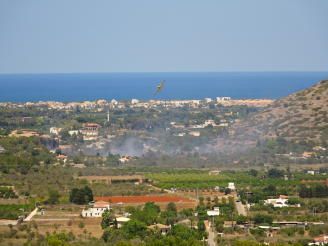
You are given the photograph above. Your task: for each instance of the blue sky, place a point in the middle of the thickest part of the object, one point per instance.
(63, 36)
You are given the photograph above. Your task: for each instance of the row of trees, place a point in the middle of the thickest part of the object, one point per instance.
(7, 192)
(318, 190)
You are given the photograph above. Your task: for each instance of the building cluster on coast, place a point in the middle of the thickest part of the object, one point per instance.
(135, 103)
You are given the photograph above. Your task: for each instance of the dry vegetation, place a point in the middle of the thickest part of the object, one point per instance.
(300, 116)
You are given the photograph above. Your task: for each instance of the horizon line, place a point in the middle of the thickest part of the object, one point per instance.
(131, 72)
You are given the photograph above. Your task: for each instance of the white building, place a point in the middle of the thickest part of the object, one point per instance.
(220, 99)
(121, 220)
(209, 122)
(310, 172)
(194, 133)
(113, 102)
(319, 148)
(208, 100)
(134, 101)
(125, 158)
(320, 240)
(97, 209)
(101, 102)
(55, 130)
(280, 202)
(214, 212)
(231, 186)
(73, 132)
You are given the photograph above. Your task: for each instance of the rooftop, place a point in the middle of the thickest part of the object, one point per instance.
(101, 204)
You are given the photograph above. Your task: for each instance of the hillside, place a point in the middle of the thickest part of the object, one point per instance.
(23, 153)
(301, 116)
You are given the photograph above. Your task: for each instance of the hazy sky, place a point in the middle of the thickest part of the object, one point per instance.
(163, 35)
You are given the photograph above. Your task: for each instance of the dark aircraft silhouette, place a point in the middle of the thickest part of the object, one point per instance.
(159, 87)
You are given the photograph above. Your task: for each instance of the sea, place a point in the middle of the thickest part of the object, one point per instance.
(142, 86)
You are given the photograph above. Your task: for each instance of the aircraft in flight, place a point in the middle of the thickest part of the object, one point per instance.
(159, 87)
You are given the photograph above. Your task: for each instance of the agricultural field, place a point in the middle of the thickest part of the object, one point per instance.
(192, 179)
(13, 211)
(66, 218)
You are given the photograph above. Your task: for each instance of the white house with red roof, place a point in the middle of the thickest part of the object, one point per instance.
(96, 210)
(90, 131)
(321, 240)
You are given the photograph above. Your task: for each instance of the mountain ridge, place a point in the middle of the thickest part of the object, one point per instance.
(299, 117)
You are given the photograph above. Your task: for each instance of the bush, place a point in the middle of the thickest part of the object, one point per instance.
(81, 196)
(316, 231)
(275, 173)
(257, 232)
(81, 224)
(262, 219)
(53, 197)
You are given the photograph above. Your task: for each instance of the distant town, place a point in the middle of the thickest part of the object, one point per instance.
(135, 103)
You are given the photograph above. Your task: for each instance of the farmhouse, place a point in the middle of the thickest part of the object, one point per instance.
(312, 172)
(55, 130)
(321, 240)
(73, 132)
(96, 210)
(125, 158)
(214, 212)
(231, 186)
(90, 131)
(163, 229)
(280, 202)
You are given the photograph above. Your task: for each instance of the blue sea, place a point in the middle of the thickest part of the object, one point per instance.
(121, 86)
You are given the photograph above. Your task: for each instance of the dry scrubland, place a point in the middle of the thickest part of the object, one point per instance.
(300, 116)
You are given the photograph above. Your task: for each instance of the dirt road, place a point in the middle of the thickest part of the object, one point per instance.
(240, 208)
(30, 216)
(211, 234)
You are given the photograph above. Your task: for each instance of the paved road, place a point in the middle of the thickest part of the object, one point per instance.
(211, 234)
(240, 208)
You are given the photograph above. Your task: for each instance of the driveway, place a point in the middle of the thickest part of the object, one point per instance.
(211, 234)
(240, 208)
(30, 216)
